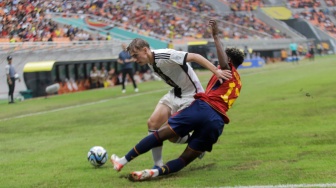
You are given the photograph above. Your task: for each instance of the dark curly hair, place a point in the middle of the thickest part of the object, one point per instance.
(236, 56)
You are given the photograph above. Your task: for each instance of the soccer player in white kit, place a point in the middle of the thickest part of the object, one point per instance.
(172, 67)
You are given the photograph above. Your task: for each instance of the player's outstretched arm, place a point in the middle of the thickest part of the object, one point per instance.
(222, 57)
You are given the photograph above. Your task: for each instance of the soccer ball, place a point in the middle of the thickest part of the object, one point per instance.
(97, 156)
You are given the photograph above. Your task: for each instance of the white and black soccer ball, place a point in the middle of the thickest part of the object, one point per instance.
(97, 156)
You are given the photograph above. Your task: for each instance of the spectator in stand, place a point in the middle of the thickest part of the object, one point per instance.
(102, 77)
(108, 36)
(90, 37)
(12, 39)
(50, 39)
(99, 37)
(113, 78)
(94, 77)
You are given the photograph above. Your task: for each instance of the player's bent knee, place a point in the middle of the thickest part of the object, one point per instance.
(189, 155)
(180, 140)
(151, 125)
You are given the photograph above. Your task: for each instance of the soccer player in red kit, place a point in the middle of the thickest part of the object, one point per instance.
(206, 117)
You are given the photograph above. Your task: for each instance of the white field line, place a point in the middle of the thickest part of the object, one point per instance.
(81, 105)
(288, 186)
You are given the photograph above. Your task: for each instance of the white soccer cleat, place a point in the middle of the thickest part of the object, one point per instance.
(141, 175)
(116, 165)
(136, 90)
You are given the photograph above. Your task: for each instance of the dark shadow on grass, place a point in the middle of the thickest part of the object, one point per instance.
(247, 165)
(124, 176)
(202, 167)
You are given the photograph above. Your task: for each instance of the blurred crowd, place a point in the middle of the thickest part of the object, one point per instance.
(243, 5)
(24, 20)
(303, 3)
(311, 11)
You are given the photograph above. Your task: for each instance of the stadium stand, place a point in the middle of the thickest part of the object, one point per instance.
(148, 19)
(165, 20)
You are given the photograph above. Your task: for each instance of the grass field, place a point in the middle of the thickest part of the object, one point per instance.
(282, 132)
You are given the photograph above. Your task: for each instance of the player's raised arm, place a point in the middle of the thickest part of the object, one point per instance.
(222, 57)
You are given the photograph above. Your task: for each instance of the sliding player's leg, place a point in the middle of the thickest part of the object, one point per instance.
(172, 166)
(147, 143)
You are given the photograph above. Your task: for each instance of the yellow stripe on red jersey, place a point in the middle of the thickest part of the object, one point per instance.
(222, 96)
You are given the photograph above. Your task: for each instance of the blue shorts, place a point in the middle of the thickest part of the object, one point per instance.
(205, 122)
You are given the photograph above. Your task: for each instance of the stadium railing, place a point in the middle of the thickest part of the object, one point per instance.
(17, 47)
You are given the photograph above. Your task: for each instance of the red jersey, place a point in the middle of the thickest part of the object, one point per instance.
(221, 96)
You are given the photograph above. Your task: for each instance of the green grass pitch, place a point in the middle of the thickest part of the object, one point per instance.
(282, 131)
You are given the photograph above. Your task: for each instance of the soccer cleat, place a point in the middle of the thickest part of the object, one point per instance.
(201, 155)
(156, 167)
(123, 91)
(116, 165)
(136, 90)
(141, 175)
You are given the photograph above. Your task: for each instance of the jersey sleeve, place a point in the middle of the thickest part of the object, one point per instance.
(179, 57)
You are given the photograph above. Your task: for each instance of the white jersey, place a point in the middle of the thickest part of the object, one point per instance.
(172, 67)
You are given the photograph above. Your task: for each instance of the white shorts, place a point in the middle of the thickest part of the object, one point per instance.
(176, 104)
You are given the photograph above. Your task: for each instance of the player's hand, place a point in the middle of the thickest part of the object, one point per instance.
(223, 75)
(214, 27)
